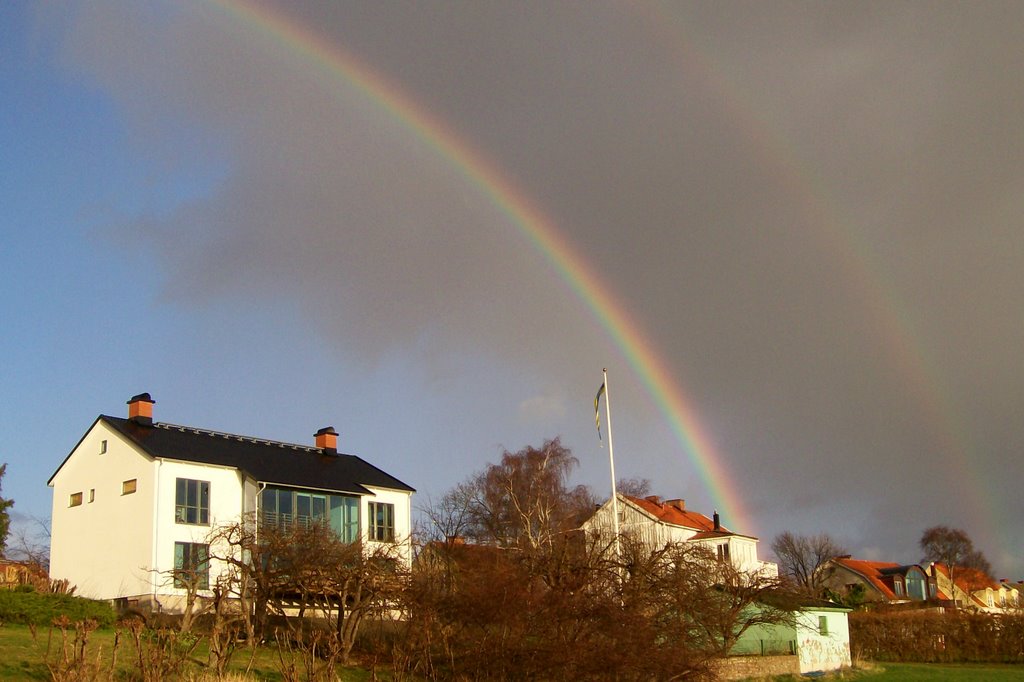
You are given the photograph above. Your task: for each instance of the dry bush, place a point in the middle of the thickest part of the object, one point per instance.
(931, 637)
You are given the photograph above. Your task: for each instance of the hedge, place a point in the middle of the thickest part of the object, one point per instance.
(34, 608)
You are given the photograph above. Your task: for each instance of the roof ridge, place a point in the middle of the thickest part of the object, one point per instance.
(236, 436)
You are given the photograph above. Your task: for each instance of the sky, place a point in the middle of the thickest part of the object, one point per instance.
(791, 232)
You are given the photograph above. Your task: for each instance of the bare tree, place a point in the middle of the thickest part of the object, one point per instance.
(29, 542)
(804, 559)
(308, 569)
(536, 598)
(954, 548)
(633, 487)
(525, 501)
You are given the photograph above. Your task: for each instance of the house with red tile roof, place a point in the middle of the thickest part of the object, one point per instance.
(974, 589)
(657, 522)
(881, 581)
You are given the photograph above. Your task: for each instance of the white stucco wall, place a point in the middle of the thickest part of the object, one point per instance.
(226, 507)
(103, 547)
(403, 518)
(818, 652)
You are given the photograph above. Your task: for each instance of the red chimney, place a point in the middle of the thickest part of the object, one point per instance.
(327, 440)
(140, 409)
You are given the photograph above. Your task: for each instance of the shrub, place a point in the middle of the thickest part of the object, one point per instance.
(34, 608)
(930, 637)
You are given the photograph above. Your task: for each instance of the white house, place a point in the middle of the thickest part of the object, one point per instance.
(137, 499)
(657, 523)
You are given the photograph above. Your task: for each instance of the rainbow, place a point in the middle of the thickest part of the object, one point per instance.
(639, 352)
(892, 322)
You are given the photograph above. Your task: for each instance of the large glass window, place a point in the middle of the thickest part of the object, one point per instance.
(382, 521)
(285, 507)
(916, 585)
(192, 501)
(191, 565)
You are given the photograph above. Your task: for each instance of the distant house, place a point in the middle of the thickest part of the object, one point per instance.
(657, 523)
(17, 573)
(135, 500)
(975, 590)
(881, 581)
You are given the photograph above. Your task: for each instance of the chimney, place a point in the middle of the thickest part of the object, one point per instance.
(678, 504)
(140, 409)
(718, 523)
(327, 440)
(653, 498)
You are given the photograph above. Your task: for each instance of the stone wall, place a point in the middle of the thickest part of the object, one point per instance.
(742, 667)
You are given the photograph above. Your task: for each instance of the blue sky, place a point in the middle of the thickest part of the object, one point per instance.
(193, 208)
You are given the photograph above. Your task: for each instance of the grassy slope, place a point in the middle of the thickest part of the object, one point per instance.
(22, 657)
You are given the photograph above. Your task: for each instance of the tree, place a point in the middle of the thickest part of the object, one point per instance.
(271, 569)
(525, 501)
(804, 559)
(5, 517)
(953, 548)
(510, 587)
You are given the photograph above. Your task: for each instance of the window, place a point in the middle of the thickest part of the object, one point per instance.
(192, 501)
(898, 587)
(191, 565)
(284, 508)
(382, 522)
(76, 499)
(103, 447)
(92, 494)
(129, 486)
(723, 552)
(822, 625)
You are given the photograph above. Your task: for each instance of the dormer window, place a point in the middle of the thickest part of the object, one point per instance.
(898, 587)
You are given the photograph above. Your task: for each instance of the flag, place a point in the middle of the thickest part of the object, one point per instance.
(597, 410)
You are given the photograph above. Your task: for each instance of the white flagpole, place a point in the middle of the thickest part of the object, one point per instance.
(611, 463)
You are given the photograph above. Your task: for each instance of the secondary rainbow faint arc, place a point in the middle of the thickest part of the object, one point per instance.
(639, 353)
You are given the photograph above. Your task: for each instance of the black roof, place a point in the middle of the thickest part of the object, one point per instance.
(266, 461)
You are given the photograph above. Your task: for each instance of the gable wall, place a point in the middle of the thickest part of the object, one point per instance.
(103, 546)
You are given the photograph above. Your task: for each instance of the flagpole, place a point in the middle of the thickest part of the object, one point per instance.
(611, 463)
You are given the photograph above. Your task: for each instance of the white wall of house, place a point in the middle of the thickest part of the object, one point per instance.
(402, 501)
(103, 545)
(822, 651)
(226, 508)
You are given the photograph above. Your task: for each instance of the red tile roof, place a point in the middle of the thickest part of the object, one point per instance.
(670, 513)
(870, 571)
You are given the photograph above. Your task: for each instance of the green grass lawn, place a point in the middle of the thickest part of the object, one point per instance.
(22, 657)
(961, 672)
(923, 672)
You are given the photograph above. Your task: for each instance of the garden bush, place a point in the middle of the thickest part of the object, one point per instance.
(930, 637)
(36, 608)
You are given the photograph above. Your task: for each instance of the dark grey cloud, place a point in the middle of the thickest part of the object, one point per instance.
(811, 209)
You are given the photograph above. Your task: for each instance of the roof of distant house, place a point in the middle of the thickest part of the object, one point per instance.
(674, 512)
(266, 461)
(872, 572)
